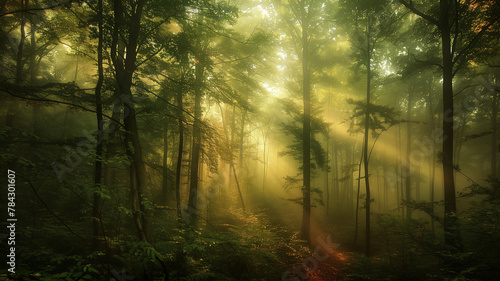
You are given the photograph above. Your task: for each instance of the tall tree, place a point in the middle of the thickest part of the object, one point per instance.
(306, 127)
(379, 22)
(97, 207)
(196, 143)
(127, 25)
(462, 40)
(300, 19)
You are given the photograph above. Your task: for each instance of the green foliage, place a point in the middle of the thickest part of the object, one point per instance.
(249, 248)
(56, 266)
(426, 207)
(405, 251)
(480, 224)
(382, 117)
(294, 128)
(139, 255)
(409, 249)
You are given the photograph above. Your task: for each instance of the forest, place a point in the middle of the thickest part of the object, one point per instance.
(250, 139)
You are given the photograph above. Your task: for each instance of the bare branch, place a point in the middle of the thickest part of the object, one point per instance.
(412, 8)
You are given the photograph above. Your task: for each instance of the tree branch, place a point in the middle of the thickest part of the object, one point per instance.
(412, 8)
(473, 42)
(36, 9)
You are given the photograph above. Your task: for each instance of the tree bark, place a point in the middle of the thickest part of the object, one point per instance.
(452, 235)
(196, 147)
(242, 138)
(408, 152)
(164, 193)
(367, 128)
(180, 149)
(97, 206)
(494, 113)
(124, 70)
(32, 61)
(357, 198)
(20, 47)
(306, 159)
(336, 182)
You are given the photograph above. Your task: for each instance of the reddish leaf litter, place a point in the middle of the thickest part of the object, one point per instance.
(324, 264)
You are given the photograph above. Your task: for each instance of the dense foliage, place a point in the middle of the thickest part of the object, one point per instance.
(249, 140)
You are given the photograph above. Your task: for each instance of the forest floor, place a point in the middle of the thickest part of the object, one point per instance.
(330, 269)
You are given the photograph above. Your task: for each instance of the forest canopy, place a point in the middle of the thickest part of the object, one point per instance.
(250, 139)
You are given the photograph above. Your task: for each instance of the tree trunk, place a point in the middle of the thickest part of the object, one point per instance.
(451, 230)
(264, 161)
(326, 173)
(164, 189)
(242, 138)
(238, 186)
(357, 198)
(336, 182)
(19, 57)
(32, 61)
(408, 152)
(494, 113)
(180, 149)
(367, 128)
(124, 70)
(397, 134)
(97, 206)
(196, 148)
(306, 160)
(33, 73)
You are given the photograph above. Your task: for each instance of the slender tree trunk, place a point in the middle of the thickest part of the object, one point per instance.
(351, 181)
(229, 168)
(494, 113)
(180, 150)
(349, 174)
(398, 157)
(408, 152)
(195, 155)
(33, 73)
(386, 188)
(242, 138)
(379, 203)
(32, 61)
(367, 128)
(19, 58)
(341, 198)
(326, 172)
(327, 162)
(336, 182)
(97, 206)
(124, 70)
(357, 198)
(164, 189)
(178, 174)
(417, 184)
(432, 165)
(238, 186)
(264, 162)
(76, 68)
(306, 160)
(231, 159)
(451, 227)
